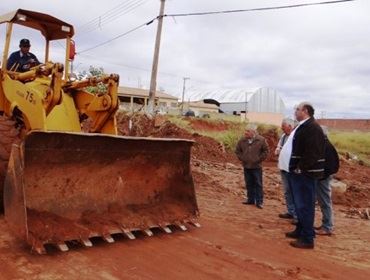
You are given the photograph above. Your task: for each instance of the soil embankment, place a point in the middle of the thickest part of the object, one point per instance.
(235, 241)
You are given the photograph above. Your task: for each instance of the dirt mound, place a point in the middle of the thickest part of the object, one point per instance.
(270, 134)
(358, 186)
(208, 149)
(135, 125)
(205, 148)
(272, 139)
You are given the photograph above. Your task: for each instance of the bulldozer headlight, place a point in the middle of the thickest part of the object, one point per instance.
(21, 17)
(66, 28)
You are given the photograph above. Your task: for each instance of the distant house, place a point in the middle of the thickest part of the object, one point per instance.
(134, 99)
(200, 108)
(262, 105)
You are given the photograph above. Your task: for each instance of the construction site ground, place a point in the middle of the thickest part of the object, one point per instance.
(235, 241)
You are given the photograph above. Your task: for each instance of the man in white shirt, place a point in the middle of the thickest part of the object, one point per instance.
(284, 151)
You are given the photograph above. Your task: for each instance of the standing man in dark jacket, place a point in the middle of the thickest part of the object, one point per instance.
(306, 166)
(251, 150)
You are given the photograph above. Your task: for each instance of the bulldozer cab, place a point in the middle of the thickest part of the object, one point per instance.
(44, 97)
(50, 27)
(66, 184)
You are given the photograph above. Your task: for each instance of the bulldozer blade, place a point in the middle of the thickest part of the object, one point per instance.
(73, 186)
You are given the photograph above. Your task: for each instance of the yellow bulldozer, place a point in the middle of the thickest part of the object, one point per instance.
(60, 185)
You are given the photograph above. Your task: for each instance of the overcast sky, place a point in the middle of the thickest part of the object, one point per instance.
(319, 54)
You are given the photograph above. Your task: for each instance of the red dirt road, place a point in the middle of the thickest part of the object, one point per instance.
(235, 242)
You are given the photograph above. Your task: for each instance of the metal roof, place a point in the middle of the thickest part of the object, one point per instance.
(259, 99)
(221, 95)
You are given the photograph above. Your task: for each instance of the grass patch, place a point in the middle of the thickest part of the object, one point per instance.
(264, 128)
(224, 117)
(229, 138)
(355, 143)
(180, 122)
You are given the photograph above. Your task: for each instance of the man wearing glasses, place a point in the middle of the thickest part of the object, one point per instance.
(306, 166)
(22, 60)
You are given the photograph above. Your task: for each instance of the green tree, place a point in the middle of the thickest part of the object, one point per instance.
(98, 72)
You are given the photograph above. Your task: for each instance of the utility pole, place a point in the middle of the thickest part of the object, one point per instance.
(153, 79)
(183, 95)
(246, 106)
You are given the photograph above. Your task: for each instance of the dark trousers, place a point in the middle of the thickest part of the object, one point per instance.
(303, 189)
(253, 183)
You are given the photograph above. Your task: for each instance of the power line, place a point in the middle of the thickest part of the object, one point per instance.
(128, 66)
(104, 21)
(108, 13)
(217, 12)
(94, 20)
(115, 38)
(110, 16)
(256, 9)
(141, 69)
(115, 16)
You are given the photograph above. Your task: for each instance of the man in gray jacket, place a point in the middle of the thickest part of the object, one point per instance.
(251, 150)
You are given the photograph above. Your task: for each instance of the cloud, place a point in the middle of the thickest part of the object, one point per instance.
(317, 53)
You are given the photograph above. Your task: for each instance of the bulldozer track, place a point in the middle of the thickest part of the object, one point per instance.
(8, 135)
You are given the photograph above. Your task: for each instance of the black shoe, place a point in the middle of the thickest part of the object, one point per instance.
(292, 234)
(248, 202)
(295, 221)
(286, 216)
(302, 245)
(260, 206)
(324, 231)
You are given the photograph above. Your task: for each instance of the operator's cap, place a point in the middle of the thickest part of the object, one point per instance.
(24, 43)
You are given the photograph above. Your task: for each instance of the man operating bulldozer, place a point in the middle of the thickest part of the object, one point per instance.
(22, 60)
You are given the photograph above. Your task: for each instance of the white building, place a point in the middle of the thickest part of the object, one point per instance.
(261, 105)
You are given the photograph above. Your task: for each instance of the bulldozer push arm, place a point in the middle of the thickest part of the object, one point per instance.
(63, 184)
(36, 96)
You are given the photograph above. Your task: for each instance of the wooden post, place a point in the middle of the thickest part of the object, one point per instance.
(183, 95)
(153, 79)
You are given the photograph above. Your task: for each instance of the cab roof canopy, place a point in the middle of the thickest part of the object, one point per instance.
(51, 27)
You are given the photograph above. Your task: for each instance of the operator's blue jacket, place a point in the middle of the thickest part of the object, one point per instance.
(23, 63)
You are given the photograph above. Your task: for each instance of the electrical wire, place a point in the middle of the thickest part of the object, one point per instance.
(214, 13)
(114, 38)
(256, 9)
(108, 13)
(116, 15)
(139, 69)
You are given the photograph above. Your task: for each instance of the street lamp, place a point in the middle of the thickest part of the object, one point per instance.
(183, 95)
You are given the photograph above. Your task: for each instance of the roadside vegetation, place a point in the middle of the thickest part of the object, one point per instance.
(228, 137)
(353, 145)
